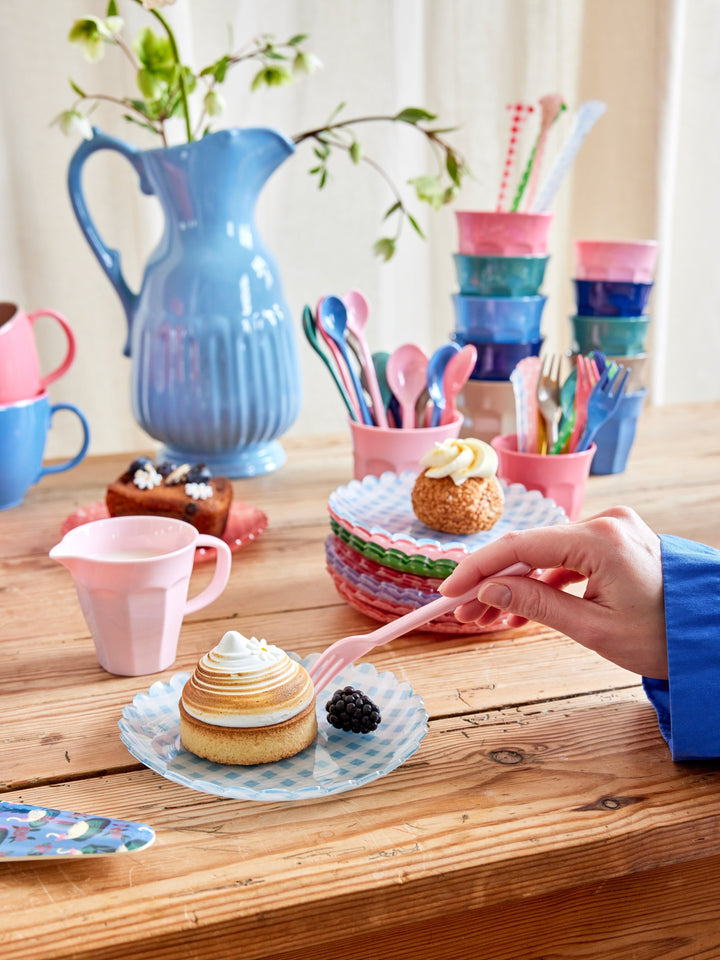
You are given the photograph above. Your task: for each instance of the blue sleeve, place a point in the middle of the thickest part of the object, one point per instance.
(688, 703)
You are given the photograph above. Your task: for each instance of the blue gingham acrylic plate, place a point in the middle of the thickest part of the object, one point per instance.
(334, 763)
(379, 510)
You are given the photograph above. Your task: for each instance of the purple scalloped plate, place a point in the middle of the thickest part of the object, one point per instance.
(385, 610)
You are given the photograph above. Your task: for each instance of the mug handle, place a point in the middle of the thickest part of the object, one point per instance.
(74, 461)
(69, 356)
(223, 560)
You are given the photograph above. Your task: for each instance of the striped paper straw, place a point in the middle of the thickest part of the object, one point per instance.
(520, 113)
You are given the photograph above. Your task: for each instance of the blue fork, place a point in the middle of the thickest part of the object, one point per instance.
(602, 404)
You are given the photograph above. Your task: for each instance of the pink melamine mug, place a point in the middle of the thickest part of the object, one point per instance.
(131, 576)
(20, 377)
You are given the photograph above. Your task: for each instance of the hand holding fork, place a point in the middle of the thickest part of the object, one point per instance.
(339, 654)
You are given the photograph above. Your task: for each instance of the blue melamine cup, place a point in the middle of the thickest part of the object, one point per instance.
(616, 436)
(24, 427)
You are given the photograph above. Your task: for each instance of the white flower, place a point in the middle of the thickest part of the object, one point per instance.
(72, 123)
(147, 479)
(198, 491)
(306, 63)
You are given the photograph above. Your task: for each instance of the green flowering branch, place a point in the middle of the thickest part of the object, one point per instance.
(436, 190)
(166, 85)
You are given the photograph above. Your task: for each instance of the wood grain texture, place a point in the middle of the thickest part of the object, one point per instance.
(541, 817)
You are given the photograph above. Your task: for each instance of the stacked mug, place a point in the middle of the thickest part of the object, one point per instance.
(25, 410)
(613, 282)
(500, 266)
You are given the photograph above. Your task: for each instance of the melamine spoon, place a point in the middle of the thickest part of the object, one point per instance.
(357, 317)
(340, 366)
(332, 318)
(437, 366)
(406, 373)
(311, 335)
(457, 374)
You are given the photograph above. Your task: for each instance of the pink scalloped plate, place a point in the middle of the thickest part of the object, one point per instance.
(385, 611)
(244, 524)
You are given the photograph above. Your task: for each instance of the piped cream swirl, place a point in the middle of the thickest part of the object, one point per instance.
(460, 460)
(246, 683)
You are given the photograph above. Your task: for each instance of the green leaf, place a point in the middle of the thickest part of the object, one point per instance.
(414, 115)
(217, 70)
(415, 225)
(112, 9)
(391, 210)
(384, 248)
(336, 111)
(298, 38)
(451, 165)
(323, 178)
(150, 85)
(129, 117)
(76, 88)
(355, 151)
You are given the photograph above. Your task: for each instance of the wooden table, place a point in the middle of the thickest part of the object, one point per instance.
(541, 816)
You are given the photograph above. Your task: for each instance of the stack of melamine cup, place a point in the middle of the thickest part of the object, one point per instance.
(25, 410)
(500, 266)
(613, 282)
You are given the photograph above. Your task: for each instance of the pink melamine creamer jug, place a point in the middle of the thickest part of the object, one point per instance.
(132, 576)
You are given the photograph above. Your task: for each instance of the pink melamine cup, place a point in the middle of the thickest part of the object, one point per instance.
(379, 449)
(132, 576)
(629, 260)
(20, 376)
(490, 233)
(562, 477)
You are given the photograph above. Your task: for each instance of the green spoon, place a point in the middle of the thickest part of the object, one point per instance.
(311, 335)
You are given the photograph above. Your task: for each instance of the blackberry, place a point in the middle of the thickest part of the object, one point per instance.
(351, 710)
(198, 474)
(165, 467)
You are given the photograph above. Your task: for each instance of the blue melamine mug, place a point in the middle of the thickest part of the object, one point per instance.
(24, 427)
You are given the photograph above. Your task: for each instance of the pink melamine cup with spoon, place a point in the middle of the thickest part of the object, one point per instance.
(132, 575)
(20, 376)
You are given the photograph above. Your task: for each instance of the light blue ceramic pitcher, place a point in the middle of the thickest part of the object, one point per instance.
(215, 367)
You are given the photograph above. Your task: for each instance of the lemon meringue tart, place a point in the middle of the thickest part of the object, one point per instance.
(247, 702)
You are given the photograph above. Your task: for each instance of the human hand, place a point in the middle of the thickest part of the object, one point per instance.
(621, 615)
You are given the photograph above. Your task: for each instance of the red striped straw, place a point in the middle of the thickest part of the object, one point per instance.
(520, 113)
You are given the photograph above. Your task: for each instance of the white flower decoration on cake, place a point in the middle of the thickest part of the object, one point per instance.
(199, 491)
(147, 479)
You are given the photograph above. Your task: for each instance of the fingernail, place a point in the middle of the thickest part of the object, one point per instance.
(495, 595)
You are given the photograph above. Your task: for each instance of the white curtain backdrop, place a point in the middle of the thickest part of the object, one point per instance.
(647, 170)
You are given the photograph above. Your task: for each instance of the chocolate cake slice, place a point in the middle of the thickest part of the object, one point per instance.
(165, 490)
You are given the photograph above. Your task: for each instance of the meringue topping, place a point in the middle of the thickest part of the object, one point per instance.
(246, 683)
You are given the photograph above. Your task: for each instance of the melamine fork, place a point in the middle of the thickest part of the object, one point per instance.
(603, 401)
(339, 654)
(548, 398)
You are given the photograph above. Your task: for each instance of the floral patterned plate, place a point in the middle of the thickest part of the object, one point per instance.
(244, 524)
(335, 762)
(41, 832)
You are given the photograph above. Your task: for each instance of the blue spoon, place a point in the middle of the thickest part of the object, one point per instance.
(436, 379)
(332, 317)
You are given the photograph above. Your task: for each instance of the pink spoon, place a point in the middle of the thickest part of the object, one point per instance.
(357, 317)
(457, 374)
(406, 373)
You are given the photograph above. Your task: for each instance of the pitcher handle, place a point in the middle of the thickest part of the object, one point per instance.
(108, 258)
(73, 461)
(223, 560)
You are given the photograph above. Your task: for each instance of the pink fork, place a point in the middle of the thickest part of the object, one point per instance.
(587, 377)
(339, 654)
